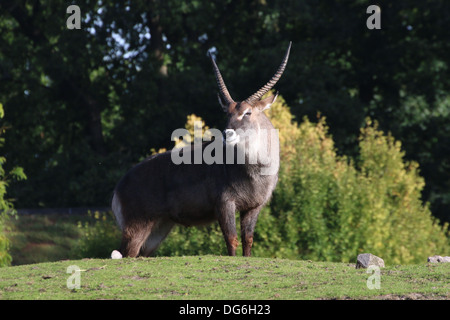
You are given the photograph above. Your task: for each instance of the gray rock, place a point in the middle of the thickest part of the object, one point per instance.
(436, 259)
(366, 260)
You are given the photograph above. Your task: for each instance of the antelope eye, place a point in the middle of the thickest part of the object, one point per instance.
(247, 112)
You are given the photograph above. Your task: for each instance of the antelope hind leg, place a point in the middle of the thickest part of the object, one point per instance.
(133, 237)
(159, 232)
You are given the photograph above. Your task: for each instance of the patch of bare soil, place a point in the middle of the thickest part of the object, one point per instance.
(409, 296)
(413, 296)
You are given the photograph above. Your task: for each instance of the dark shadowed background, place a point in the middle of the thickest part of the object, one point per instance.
(82, 106)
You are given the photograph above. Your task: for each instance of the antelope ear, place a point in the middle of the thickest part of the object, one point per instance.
(222, 103)
(267, 102)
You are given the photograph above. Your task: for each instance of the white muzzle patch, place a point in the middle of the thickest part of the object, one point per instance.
(231, 137)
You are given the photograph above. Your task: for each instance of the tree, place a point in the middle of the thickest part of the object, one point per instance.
(86, 104)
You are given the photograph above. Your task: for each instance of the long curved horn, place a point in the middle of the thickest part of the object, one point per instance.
(222, 87)
(269, 85)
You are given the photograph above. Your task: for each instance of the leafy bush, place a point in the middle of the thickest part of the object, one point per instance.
(6, 205)
(328, 208)
(193, 241)
(99, 237)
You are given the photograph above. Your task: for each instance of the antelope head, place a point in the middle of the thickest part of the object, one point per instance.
(247, 117)
(247, 114)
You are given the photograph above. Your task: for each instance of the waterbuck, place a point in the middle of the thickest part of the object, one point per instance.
(157, 193)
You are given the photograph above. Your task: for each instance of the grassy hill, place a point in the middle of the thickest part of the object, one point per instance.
(217, 277)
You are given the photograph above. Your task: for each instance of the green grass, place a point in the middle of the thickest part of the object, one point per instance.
(49, 238)
(217, 277)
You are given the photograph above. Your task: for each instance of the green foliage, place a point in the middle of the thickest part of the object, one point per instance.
(184, 241)
(99, 237)
(329, 208)
(6, 205)
(401, 226)
(5, 257)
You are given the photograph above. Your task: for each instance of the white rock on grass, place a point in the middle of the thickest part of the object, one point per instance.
(437, 259)
(116, 255)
